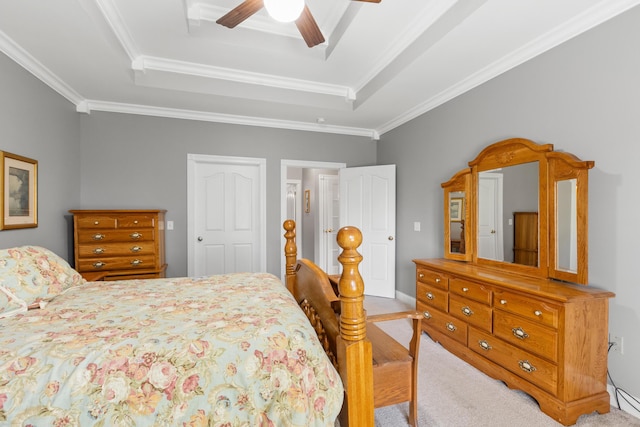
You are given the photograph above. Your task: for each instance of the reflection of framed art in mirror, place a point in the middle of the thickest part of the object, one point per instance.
(457, 231)
(456, 209)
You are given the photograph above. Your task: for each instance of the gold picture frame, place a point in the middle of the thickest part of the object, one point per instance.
(456, 209)
(19, 184)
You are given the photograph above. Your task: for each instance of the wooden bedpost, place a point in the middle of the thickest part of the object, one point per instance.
(353, 346)
(290, 254)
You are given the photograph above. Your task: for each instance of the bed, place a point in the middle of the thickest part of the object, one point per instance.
(228, 350)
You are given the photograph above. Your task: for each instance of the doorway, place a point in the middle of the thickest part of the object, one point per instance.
(365, 199)
(292, 169)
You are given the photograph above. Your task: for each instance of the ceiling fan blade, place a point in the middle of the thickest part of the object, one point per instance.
(309, 28)
(240, 13)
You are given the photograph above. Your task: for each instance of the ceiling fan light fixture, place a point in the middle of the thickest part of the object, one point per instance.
(284, 10)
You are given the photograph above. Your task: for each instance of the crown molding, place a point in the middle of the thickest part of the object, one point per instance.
(114, 107)
(591, 18)
(144, 63)
(119, 29)
(29, 63)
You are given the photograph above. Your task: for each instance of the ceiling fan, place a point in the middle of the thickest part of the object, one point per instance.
(305, 22)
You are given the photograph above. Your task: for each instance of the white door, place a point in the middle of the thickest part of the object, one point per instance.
(329, 210)
(368, 201)
(489, 213)
(226, 205)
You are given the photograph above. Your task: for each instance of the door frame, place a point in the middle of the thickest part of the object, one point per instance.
(192, 161)
(323, 241)
(303, 164)
(298, 204)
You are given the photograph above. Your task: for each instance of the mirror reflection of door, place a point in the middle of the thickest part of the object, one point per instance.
(489, 213)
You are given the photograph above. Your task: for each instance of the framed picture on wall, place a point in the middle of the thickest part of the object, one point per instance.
(19, 184)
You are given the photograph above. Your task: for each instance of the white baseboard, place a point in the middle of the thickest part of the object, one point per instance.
(407, 299)
(623, 404)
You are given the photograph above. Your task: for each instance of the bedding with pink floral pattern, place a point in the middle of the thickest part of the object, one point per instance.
(228, 350)
(30, 275)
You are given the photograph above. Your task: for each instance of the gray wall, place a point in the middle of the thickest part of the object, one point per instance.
(38, 123)
(133, 161)
(583, 97)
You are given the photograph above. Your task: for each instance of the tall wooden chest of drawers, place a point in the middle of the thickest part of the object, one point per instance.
(119, 244)
(546, 338)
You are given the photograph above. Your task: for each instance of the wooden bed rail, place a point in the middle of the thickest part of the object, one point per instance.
(352, 347)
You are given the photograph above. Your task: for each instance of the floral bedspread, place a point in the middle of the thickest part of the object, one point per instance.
(229, 350)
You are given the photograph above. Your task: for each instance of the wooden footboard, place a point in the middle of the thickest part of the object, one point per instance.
(344, 336)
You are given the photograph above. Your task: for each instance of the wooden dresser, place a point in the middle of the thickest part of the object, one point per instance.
(119, 244)
(546, 338)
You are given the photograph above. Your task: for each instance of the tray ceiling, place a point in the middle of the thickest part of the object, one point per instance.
(382, 64)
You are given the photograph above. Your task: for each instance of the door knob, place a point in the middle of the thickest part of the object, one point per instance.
(493, 231)
(390, 237)
(200, 239)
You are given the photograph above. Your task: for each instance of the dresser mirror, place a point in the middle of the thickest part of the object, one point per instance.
(525, 211)
(501, 193)
(457, 215)
(568, 218)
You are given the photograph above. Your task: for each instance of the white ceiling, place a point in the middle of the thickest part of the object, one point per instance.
(381, 65)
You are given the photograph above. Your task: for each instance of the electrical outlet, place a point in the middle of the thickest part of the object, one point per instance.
(616, 344)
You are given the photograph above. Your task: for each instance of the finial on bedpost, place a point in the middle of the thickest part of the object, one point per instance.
(355, 357)
(290, 253)
(351, 286)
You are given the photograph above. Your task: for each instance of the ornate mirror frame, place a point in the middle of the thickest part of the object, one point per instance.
(555, 169)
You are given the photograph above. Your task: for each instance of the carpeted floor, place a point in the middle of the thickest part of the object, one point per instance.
(453, 393)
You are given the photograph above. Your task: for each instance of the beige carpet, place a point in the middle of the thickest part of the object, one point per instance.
(453, 393)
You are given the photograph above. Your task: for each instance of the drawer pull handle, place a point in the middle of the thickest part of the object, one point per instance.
(503, 301)
(467, 311)
(426, 314)
(96, 222)
(99, 264)
(421, 275)
(451, 327)
(537, 313)
(135, 222)
(136, 249)
(136, 262)
(484, 345)
(429, 295)
(465, 289)
(98, 251)
(98, 236)
(437, 280)
(135, 235)
(519, 333)
(526, 366)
